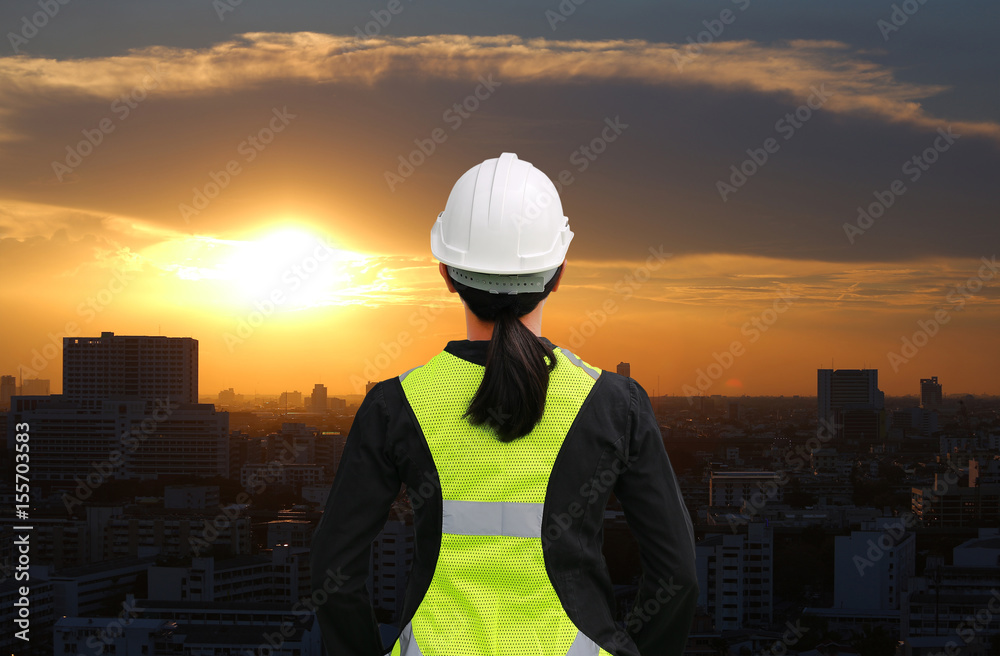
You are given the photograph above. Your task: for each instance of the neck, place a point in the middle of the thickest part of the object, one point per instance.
(478, 330)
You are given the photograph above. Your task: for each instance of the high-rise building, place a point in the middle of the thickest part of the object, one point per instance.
(736, 577)
(949, 603)
(130, 367)
(851, 400)
(950, 506)
(317, 401)
(840, 388)
(930, 392)
(129, 411)
(391, 560)
(872, 567)
(8, 388)
(290, 400)
(121, 439)
(624, 369)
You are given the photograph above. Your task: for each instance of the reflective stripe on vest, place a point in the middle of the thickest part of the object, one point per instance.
(490, 594)
(494, 518)
(520, 520)
(593, 373)
(582, 645)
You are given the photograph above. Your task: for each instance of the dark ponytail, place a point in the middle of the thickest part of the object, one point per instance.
(511, 396)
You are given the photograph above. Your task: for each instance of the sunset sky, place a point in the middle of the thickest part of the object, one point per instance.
(174, 168)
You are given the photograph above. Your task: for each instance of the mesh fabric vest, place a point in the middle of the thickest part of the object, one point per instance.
(490, 594)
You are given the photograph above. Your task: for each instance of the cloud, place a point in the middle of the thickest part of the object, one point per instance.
(857, 84)
(360, 105)
(24, 220)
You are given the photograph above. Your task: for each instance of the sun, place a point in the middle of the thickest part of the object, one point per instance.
(291, 267)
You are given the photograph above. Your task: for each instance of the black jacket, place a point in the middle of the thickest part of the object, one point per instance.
(614, 445)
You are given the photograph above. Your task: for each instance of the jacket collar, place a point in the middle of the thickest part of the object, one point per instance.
(475, 351)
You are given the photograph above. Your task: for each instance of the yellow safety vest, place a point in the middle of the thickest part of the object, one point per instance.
(490, 594)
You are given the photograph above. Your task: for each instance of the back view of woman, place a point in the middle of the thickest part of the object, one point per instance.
(509, 447)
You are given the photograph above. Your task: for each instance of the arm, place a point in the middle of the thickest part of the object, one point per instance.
(651, 498)
(363, 490)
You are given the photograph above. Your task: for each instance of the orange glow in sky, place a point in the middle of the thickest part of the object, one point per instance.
(304, 267)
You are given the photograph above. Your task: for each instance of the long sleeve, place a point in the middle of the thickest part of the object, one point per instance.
(363, 490)
(651, 498)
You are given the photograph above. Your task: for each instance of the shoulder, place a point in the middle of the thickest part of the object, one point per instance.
(577, 362)
(620, 394)
(610, 389)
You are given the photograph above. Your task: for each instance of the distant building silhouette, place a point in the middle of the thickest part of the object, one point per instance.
(130, 367)
(317, 401)
(299, 445)
(8, 388)
(706, 405)
(624, 369)
(290, 400)
(851, 400)
(930, 393)
(229, 398)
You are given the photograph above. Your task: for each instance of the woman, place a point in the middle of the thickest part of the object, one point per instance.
(509, 448)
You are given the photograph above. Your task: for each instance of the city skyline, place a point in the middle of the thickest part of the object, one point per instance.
(36, 385)
(172, 521)
(42, 385)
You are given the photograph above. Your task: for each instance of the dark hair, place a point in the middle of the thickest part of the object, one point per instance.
(511, 397)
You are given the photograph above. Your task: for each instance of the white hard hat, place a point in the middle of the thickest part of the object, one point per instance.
(503, 217)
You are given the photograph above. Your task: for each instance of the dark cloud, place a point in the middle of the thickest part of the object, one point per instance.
(942, 43)
(656, 183)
